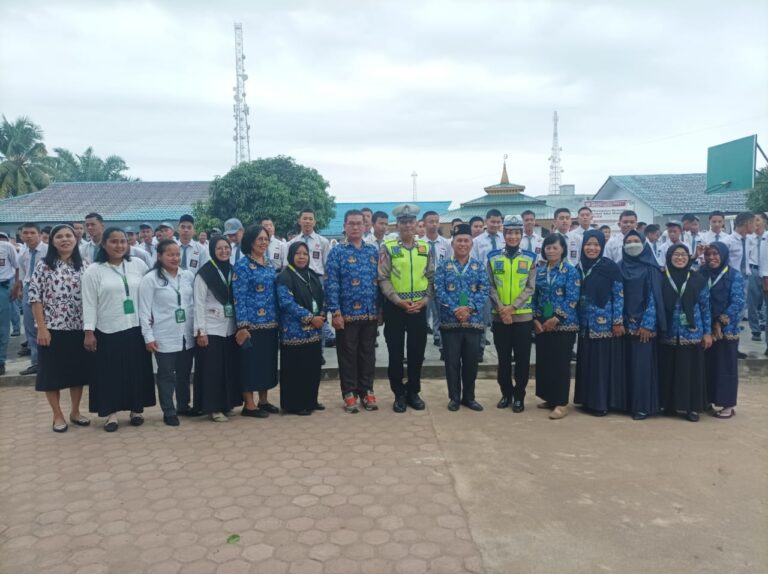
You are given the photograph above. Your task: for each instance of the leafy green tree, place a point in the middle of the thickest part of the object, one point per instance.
(68, 166)
(757, 199)
(274, 187)
(23, 158)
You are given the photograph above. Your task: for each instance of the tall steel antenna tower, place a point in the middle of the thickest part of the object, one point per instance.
(414, 175)
(554, 162)
(242, 136)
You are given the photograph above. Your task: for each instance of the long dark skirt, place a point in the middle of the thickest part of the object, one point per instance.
(258, 363)
(681, 378)
(600, 374)
(723, 373)
(216, 383)
(61, 364)
(299, 376)
(121, 374)
(642, 376)
(553, 366)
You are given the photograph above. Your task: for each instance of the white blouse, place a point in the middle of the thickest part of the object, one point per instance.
(104, 296)
(209, 313)
(159, 304)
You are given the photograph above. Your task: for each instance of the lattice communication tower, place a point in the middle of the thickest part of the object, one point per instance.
(555, 170)
(242, 136)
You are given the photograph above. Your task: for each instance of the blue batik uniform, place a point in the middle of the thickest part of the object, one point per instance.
(295, 327)
(598, 322)
(561, 290)
(729, 319)
(453, 283)
(253, 288)
(646, 321)
(352, 282)
(679, 334)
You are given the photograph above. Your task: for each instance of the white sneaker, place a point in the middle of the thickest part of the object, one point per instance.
(219, 417)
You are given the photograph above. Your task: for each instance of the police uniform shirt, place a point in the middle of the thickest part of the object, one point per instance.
(8, 262)
(485, 243)
(276, 253)
(196, 256)
(318, 246)
(441, 248)
(385, 271)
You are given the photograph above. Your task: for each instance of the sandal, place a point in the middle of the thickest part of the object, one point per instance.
(719, 414)
(61, 427)
(80, 421)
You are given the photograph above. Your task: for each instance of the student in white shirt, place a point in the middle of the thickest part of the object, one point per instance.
(277, 250)
(614, 249)
(755, 308)
(202, 239)
(477, 225)
(94, 225)
(121, 377)
(367, 224)
(491, 239)
(572, 238)
(440, 249)
(380, 222)
(147, 243)
(652, 234)
(531, 241)
(674, 237)
(166, 315)
(763, 272)
(9, 275)
(584, 219)
(716, 228)
(738, 254)
(193, 255)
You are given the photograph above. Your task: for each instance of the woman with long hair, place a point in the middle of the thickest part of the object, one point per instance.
(57, 304)
(217, 387)
(300, 298)
(166, 309)
(121, 377)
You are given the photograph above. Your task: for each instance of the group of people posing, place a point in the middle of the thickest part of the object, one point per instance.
(249, 311)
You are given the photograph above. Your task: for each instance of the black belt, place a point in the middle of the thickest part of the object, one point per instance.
(5, 283)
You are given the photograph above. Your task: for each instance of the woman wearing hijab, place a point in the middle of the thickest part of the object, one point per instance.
(600, 365)
(726, 298)
(556, 323)
(643, 316)
(681, 352)
(300, 299)
(217, 388)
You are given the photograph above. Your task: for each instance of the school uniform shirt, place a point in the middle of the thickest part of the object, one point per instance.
(253, 288)
(573, 240)
(151, 253)
(710, 237)
(377, 243)
(277, 252)
(8, 262)
(318, 246)
(484, 244)
(160, 302)
(440, 247)
(237, 253)
(89, 251)
(614, 249)
(559, 287)
(209, 317)
(29, 259)
(137, 251)
(532, 245)
(104, 295)
(755, 246)
(193, 256)
(762, 263)
(738, 253)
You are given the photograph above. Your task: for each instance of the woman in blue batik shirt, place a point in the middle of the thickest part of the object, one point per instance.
(682, 344)
(253, 288)
(600, 378)
(643, 315)
(556, 323)
(726, 298)
(461, 290)
(300, 298)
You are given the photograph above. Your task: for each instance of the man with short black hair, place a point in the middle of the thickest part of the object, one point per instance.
(440, 249)
(33, 254)
(147, 243)
(738, 251)
(674, 237)
(94, 226)
(756, 310)
(716, 228)
(652, 234)
(614, 249)
(368, 222)
(531, 241)
(277, 252)
(573, 238)
(193, 255)
(477, 224)
(380, 221)
(491, 239)
(584, 219)
(9, 276)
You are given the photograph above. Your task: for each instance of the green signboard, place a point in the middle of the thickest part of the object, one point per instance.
(731, 166)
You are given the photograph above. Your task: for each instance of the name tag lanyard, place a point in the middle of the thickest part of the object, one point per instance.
(128, 306)
(229, 309)
(181, 314)
(463, 295)
(548, 309)
(315, 306)
(680, 292)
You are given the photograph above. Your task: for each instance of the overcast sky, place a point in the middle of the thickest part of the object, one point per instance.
(367, 92)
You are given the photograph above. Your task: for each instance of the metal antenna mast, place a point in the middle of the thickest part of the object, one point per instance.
(414, 175)
(242, 129)
(554, 161)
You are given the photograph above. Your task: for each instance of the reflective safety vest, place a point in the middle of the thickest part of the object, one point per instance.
(409, 269)
(511, 277)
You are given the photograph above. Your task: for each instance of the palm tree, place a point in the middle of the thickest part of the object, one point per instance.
(87, 167)
(23, 167)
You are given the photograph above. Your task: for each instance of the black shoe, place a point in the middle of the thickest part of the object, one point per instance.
(453, 405)
(188, 412)
(15, 333)
(25, 352)
(504, 403)
(472, 405)
(31, 370)
(429, 330)
(269, 407)
(399, 405)
(256, 413)
(598, 413)
(304, 412)
(318, 407)
(442, 356)
(331, 343)
(414, 401)
(110, 427)
(693, 417)
(741, 355)
(639, 416)
(137, 420)
(171, 420)
(2, 370)
(518, 406)
(25, 344)
(436, 342)
(322, 360)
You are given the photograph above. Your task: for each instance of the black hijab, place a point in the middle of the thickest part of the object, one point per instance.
(599, 273)
(304, 284)
(210, 275)
(720, 292)
(679, 277)
(641, 274)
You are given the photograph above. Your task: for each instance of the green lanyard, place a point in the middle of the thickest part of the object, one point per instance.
(683, 317)
(713, 283)
(181, 314)
(128, 306)
(463, 295)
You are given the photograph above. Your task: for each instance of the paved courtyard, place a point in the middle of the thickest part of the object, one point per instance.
(376, 493)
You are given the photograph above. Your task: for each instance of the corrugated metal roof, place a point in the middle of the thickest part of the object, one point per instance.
(336, 225)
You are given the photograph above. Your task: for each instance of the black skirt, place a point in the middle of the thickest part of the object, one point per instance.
(216, 383)
(61, 364)
(121, 376)
(600, 374)
(258, 363)
(681, 378)
(553, 366)
(300, 372)
(723, 373)
(642, 375)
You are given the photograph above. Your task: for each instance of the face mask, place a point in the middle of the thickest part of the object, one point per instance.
(633, 249)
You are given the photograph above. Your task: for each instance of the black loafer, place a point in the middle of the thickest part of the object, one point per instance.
(319, 407)
(504, 403)
(415, 402)
(453, 405)
(693, 417)
(399, 405)
(29, 371)
(256, 413)
(518, 406)
(473, 405)
(171, 420)
(137, 420)
(110, 427)
(268, 407)
(639, 416)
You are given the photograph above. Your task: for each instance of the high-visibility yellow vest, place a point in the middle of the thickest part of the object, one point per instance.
(409, 268)
(511, 277)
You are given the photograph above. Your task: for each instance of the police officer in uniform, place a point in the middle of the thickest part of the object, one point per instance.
(513, 279)
(405, 279)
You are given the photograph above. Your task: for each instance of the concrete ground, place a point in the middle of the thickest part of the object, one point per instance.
(376, 493)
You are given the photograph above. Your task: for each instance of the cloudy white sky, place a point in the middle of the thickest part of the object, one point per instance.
(367, 92)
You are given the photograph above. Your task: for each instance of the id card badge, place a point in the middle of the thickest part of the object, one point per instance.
(128, 307)
(315, 307)
(181, 315)
(229, 310)
(683, 320)
(463, 299)
(547, 310)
